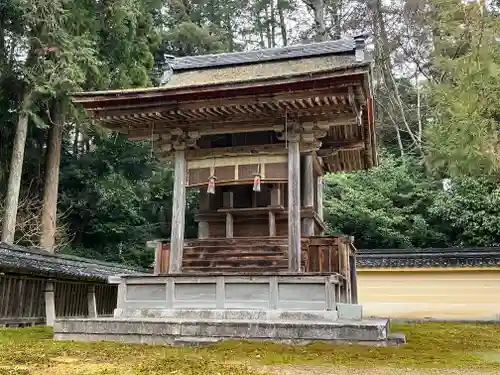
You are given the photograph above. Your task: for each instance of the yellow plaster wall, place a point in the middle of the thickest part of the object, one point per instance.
(438, 294)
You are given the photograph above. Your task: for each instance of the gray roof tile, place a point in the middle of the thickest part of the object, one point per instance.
(39, 263)
(334, 47)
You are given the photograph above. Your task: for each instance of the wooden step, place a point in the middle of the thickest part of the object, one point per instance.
(234, 269)
(233, 255)
(236, 242)
(237, 255)
(267, 249)
(236, 263)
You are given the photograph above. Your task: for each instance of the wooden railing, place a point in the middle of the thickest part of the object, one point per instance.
(333, 255)
(22, 299)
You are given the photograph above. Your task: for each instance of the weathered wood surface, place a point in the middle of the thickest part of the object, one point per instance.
(237, 254)
(178, 211)
(22, 300)
(294, 204)
(325, 255)
(308, 194)
(245, 254)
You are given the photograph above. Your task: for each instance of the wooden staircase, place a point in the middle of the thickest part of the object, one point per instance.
(242, 254)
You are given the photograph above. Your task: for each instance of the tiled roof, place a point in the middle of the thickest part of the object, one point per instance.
(334, 47)
(429, 258)
(39, 263)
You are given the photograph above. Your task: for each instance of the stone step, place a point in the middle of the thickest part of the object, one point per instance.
(227, 314)
(171, 331)
(193, 341)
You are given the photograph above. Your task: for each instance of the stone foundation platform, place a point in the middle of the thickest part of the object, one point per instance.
(206, 308)
(185, 331)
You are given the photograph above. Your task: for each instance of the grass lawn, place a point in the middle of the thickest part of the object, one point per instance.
(462, 347)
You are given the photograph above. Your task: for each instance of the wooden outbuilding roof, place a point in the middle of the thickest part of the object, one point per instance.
(319, 83)
(39, 263)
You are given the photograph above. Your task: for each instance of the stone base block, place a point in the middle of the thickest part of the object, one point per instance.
(233, 314)
(349, 311)
(176, 331)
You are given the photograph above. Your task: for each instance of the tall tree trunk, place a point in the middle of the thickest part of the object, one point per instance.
(16, 170)
(337, 19)
(281, 14)
(268, 28)
(273, 24)
(260, 28)
(384, 63)
(318, 8)
(53, 159)
(76, 142)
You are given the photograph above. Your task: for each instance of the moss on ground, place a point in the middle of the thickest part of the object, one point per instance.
(31, 351)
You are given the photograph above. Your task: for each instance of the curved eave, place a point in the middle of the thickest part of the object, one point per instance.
(153, 92)
(319, 97)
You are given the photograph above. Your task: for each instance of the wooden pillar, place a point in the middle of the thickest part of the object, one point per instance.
(275, 202)
(158, 254)
(276, 196)
(320, 197)
(92, 303)
(354, 279)
(228, 202)
(229, 225)
(203, 231)
(308, 194)
(272, 224)
(50, 304)
(178, 211)
(293, 204)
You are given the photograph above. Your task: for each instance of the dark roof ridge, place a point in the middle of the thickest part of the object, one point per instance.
(431, 251)
(330, 47)
(475, 257)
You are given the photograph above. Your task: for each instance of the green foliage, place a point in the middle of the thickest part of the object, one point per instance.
(187, 38)
(114, 195)
(462, 139)
(469, 212)
(104, 194)
(128, 39)
(386, 207)
(116, 198)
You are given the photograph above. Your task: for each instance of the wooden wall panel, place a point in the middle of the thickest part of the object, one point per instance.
(251, 227)
(225, 173)
(281, 227)
(216, 229)
(198, 176)
(247, 171)
(277, 171)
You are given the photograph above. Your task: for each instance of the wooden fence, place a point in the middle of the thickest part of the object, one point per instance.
(22, 300)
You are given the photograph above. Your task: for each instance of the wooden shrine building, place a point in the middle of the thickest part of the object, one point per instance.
(254, 133)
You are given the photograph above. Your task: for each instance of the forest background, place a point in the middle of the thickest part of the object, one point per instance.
(437, 86)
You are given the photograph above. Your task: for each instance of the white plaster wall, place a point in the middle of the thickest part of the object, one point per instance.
(460, 295)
